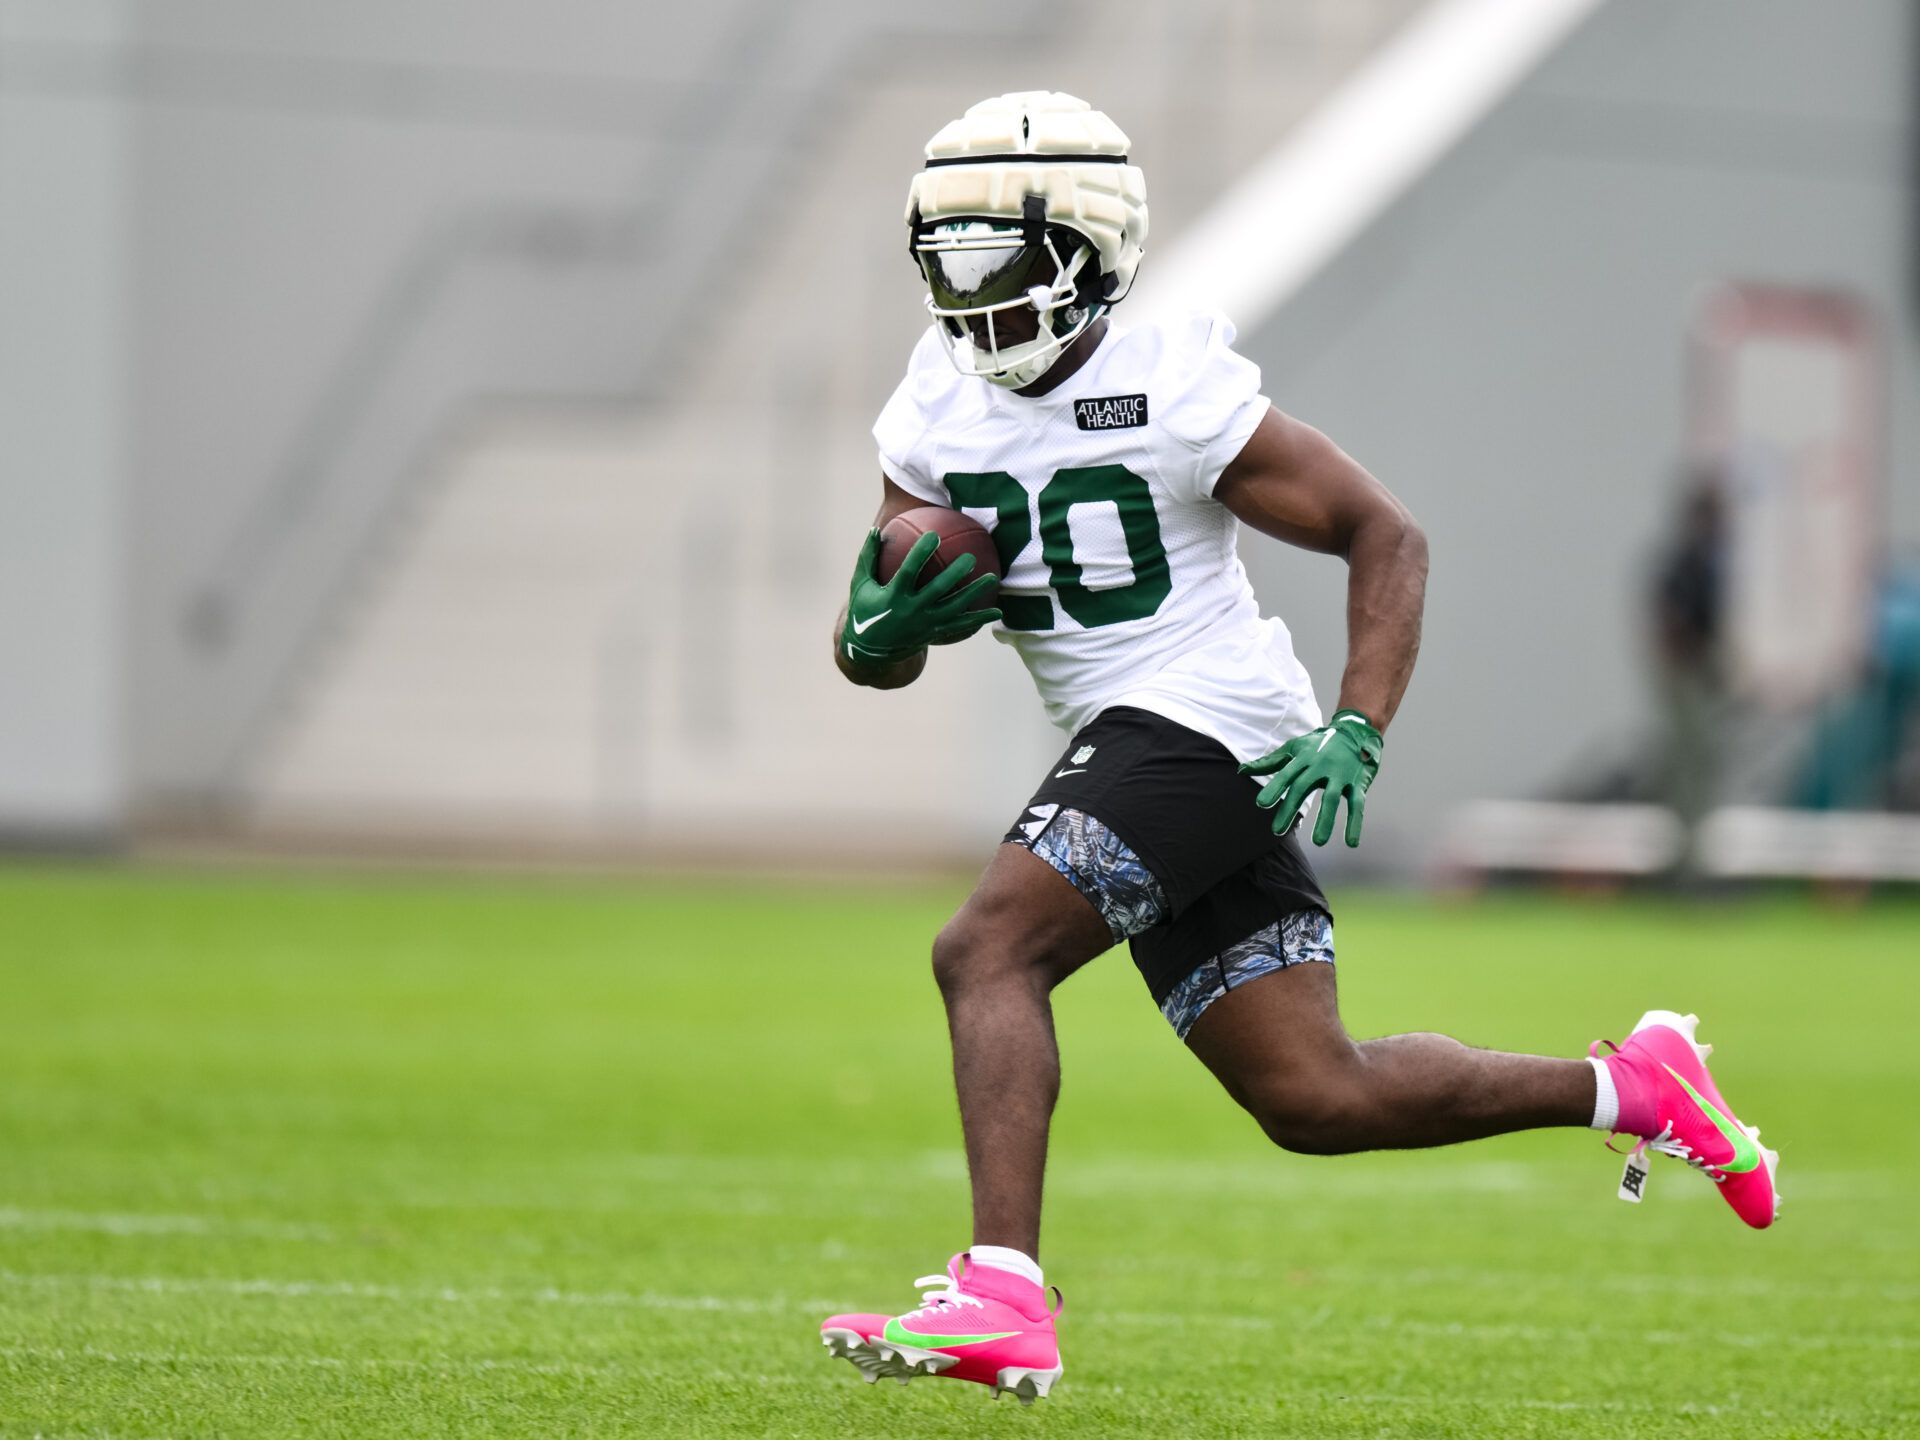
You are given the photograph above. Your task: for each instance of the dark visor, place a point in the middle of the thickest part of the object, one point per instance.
(974, 264)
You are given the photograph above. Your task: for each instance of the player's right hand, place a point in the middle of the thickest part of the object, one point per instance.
(893, 619)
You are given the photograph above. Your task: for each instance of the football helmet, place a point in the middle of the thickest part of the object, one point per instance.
(1027, 203)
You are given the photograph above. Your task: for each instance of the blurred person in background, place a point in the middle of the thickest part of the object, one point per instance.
(1866, 747)
(1688, 604)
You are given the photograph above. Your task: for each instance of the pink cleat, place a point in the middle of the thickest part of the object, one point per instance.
(1669, 1101)
(978, 1324)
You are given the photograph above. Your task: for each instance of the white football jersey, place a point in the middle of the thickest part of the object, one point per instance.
(1121, 583)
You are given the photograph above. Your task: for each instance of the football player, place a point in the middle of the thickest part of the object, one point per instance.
(1114, 468)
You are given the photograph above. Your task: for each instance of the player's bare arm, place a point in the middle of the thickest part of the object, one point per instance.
(1291, 482)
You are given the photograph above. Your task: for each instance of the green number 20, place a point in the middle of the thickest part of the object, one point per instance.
(1116, 485)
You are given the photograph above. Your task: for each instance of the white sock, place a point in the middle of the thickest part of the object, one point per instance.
(1014, 1262)
(1606, 1099)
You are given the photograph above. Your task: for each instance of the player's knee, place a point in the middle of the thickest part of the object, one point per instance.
(968, 953)
(952, 951)
(1309, 1118)
(972, 951)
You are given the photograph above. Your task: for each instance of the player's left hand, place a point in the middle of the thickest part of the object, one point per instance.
(1342, 757)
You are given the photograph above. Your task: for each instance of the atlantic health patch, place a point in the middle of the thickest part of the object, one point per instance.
(1110, 412)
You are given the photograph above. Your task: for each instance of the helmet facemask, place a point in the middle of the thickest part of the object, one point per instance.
(985, 276)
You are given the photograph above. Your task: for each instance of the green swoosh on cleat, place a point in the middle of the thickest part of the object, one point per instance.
(1746, 1155)
(900, 1335)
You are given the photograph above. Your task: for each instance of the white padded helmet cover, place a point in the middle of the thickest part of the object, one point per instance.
(1105, 202)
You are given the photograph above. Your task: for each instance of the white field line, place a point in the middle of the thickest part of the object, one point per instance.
(1526, 1402)
(1692, 1286)
(421, 1294)
(275, 1361)
(169, 1359)
(1516, 1282)
(303, 1362)
(109, 1223)
(1492, 1177)
(1543, 1334)
(646, 1300)
(1628, 1334)
(769, 1186)
(1261, 1174)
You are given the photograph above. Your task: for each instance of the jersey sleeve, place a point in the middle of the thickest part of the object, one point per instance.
(1214, 403)
(902, 433)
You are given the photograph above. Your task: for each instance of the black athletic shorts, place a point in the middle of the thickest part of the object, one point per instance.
(1155, 826)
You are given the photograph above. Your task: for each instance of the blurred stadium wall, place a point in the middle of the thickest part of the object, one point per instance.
(436, 424)
(65, 323)
(1506, 343)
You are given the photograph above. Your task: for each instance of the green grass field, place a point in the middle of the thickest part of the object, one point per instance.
(410, 1158)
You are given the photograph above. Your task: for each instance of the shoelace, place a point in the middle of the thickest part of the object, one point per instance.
(944, 1293)
(1665, 1144)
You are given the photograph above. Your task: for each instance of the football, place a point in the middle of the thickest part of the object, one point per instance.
(959, 535)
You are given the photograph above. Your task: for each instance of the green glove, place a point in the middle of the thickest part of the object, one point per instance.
(1342, 756)
(901, 617)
